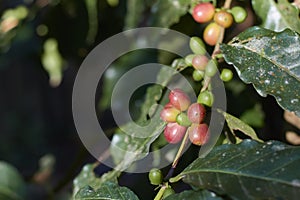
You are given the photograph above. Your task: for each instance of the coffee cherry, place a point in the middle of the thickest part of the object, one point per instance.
(198, 134)
(183, 120)
(197, 45)
(211, 68)
(239, 14)
(226, 75)
(223, 18)
(196, 113)
(206, 98)
(169, 114)
(203, 12)
(198, 75)
(199, 62)
(155, 176)
(174, 132)
(189, 59)
(212, 33)
(168, 191)
(179, 99)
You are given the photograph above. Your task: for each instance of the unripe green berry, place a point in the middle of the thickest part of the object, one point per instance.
(206, 98)
(197, 45)
(189, 59)
(226, 75)
(168, 191)
(239, 14)
(198, 75)
(211, 68)
(183, 120)
(155, 176)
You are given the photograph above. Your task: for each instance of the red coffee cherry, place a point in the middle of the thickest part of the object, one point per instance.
(203, 12)
(174, 132)
(198, 134)
(179, 99)
(196, 113)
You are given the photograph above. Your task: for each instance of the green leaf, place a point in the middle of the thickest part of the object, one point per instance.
(270, 61)
(248, 170)
(237, 124)
(277, 16)
(168, 12)
(194, 195)
(107, 191)
(87, 177)
(134, 146)
(12, 186)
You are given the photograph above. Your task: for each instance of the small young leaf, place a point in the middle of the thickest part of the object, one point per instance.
(194, 195)
(277, 16)
(107, 191)
(237, 124)
(270, 61)
(248, 170)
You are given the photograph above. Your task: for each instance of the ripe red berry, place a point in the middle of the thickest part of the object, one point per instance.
(179, 99)
(198, 134)
(199, 62)
(169, 114)
(212, 33)
(203, 12)
(196, 113)
(223, 18)
(174, 132)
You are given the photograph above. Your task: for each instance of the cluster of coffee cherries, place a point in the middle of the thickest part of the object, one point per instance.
(218, 17)
(182, 116)
(204, 67)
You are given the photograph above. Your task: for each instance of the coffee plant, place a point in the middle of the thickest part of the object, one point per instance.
(237, 44)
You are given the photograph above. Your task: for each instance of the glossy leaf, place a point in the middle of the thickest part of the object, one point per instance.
(107, 191)
(194, 195)
(270, 61)
(12, 186)
(248, 170)
(277, 16)
(237, 124)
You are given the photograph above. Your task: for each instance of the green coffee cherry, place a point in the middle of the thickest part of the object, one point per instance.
(189, 59)
(211, 68)
(198, 75)
(155, 176)
(239, 14)
(168, 191)
(197, 45)
(226, 75)
(183, 120)
(206, 98)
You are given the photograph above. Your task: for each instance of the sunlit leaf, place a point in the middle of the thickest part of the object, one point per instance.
(277, 15)
(270, 61)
